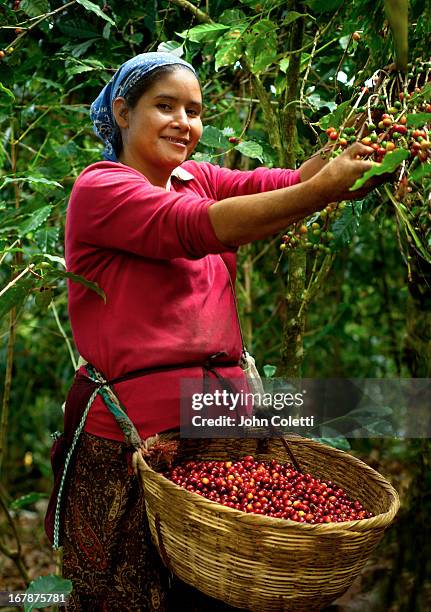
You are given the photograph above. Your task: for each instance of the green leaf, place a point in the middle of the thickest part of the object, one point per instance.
(30, 179)
(345, 227)
(202, 157)
(7, 92)
(284, 64)
(171, 46)
(34, 8)
(43, 297)
(422, 171)
(418, 119)
(205, 31)
(55, 274)
(90, 6)
(15, 296)
(269, 370)
(390, 163)
(336, 118)
(78, 28)
(293, 16)
(35, 221)
(49, 584)
(261, 45)
(324, 6)
(230, 17)
(250, 149)
(213, 137)
(26, 500)
(338, 442)
(229, 49)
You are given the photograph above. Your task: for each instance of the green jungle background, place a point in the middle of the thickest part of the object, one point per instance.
(360, 309)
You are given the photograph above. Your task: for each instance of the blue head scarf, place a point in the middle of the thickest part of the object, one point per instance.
(123, 80)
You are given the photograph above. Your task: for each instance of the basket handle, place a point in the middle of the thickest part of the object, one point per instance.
(295, 463)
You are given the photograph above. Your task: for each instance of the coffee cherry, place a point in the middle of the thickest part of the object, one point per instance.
(267, 488)
(356, 36)
(2, 54)
(234, 140)
(333, 135)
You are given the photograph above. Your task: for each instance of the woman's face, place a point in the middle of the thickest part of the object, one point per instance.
(164, 127)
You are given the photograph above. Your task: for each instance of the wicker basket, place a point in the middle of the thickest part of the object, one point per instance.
(261, 563)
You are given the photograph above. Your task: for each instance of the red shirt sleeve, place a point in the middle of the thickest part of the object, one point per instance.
(114, 206)
(224, 183)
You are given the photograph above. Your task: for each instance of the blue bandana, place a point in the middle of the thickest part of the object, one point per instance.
(123, 80)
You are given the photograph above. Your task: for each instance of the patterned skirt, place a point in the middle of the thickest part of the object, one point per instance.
(107, 549)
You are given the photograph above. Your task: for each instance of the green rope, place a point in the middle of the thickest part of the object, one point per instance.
(118, 411)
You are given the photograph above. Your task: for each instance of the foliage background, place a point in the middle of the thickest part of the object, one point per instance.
(368, 319)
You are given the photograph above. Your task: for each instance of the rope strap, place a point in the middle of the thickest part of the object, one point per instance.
(131, 434)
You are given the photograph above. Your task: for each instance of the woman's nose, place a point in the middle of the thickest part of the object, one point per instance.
(181, 118)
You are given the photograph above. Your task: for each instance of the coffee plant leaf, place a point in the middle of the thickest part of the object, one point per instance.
(35, 221)
(293, 16)
(44, 585)
(213, 137)
(199, 156)
(205, 31)
(336, 118)
(90, 6)
(346, 226)
(390, 163)
(171, 46)
(229, 49)
(422, 171)
(4, 90)
(332, 437)
(415, 120)
(30, 179)
(26, 500)
(15, 295)
(251, 149)
(232, 17)
(261, 46)
(269, 370)
(78, 28)
(34, 8)
(55, 274)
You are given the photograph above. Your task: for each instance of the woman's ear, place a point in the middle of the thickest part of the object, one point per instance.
(121, 112)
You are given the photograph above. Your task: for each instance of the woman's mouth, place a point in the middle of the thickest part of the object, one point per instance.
(179, 142)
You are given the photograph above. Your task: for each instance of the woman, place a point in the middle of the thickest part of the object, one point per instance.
(159, 235)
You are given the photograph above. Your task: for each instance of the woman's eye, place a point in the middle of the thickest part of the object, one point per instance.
(164, 107)
(193, 113)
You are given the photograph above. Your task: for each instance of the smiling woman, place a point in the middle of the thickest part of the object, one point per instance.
(159, 234)
(163, 128)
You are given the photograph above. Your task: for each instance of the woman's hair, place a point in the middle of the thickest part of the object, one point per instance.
(133, 95)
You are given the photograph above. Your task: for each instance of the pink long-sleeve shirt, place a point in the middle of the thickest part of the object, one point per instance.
(164, 273)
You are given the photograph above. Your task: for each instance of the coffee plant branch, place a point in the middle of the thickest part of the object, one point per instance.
(15, 556)
(201, 16)
(38, 19)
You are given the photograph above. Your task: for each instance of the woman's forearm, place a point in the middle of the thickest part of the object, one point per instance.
(314, 164)
(242, 219)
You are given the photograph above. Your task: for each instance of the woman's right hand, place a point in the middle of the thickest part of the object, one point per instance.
(334, 180)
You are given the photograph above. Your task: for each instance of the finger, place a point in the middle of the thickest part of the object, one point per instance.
(358, 149)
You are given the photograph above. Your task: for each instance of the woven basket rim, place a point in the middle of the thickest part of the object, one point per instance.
(376, 522)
